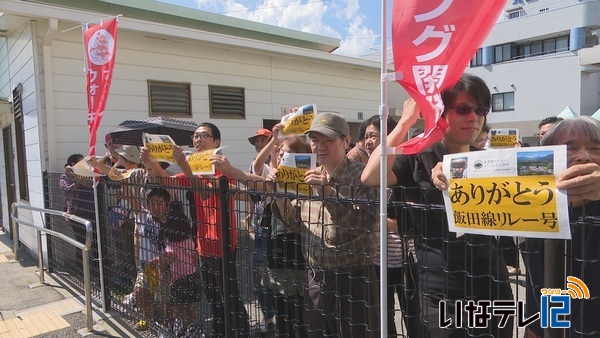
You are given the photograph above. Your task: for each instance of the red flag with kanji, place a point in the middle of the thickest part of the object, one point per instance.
(100, 42)
(433, 42)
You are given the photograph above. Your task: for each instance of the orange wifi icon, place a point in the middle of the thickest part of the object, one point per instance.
(577, 288)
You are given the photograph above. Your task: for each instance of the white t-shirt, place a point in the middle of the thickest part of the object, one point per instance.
(149, 231)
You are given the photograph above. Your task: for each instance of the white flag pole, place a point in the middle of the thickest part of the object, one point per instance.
(84, 27)
(383, 114)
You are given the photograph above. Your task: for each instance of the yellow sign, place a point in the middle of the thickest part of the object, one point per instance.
(291, 180)
(160, 147)
(503, 141)
(298, 122)
(516, 203)
(503, 138)
(161, 151)
(201, 164)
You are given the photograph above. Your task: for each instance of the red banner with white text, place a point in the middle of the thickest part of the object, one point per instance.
(100, 43)
(433, 42)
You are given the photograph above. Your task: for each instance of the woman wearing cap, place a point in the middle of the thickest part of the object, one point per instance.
(451, 268)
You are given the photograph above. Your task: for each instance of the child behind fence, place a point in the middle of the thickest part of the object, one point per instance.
(149, 246)
(182, 260)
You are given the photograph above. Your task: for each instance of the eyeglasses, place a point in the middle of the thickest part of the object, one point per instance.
(201, 136)
(466, 110)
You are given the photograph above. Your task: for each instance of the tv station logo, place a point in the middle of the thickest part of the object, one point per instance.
(555, 304)
(550, 313)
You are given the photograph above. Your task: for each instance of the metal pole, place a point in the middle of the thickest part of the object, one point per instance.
(40, 256)
(99, 239)
(84, 247)
(554, 254)
(383, 114)
(15, 231)
(87, 278)
(225, 227)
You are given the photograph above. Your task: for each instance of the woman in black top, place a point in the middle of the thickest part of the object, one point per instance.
(451, 268)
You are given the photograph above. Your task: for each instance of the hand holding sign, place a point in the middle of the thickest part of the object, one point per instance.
(201, 163)
(160, 147)
(291, 173)
(299, 121)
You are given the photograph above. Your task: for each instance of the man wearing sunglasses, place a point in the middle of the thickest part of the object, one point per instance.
(451, 268)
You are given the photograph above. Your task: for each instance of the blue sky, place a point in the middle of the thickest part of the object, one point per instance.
(355, 22)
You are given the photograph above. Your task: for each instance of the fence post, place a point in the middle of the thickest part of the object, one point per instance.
(105, 264)
(225, 240)
(47, 219)
(554, 276)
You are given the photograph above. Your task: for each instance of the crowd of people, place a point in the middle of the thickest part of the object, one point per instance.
(317, 259)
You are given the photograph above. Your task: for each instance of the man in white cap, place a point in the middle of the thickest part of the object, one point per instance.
(339, 237)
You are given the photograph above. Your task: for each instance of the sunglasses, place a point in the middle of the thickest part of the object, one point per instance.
(466, 110)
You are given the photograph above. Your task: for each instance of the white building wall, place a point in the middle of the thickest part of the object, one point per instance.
(590, 92)
(21, 69)
(543, 87)
(271, 82)
(5, 90)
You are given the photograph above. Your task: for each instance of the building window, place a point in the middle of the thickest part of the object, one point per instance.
(227, 102)
(17, 97)
(503, 53)
(171, 99)
(477, 60)
(514, 15)
(503, 101)
(542, 47)
(562, 44)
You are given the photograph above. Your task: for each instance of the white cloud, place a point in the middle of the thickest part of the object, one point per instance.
(207, 4)
(352, 8)
(358, 38)
(337, 19)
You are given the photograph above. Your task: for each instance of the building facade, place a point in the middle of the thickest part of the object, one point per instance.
(541, 57)
(163, 52)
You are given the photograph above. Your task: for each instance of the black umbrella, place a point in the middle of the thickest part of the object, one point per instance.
(130, 131)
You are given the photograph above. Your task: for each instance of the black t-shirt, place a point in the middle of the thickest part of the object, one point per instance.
(459, 268)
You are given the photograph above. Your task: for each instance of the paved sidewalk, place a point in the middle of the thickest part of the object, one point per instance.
(52, 309)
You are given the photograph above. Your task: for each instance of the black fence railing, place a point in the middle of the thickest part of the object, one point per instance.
(219, 258)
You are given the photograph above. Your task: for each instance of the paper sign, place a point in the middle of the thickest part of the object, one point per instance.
(200, 162)
(503, 138)
(160, 147)
(291, 170)
(299, 121)
(83, 168)
(507, 192)
(117, 174)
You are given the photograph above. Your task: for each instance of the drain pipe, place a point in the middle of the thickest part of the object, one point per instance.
(49, 92)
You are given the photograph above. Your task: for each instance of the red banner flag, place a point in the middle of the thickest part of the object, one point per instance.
(100, 42)
(433, 42)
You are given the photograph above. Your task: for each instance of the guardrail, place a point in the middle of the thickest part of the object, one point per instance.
(84, 248)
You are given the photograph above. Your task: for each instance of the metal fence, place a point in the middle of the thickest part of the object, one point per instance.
(185, 254)
(84, 247)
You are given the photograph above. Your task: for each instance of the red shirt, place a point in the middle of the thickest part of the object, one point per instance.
(208, 220)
